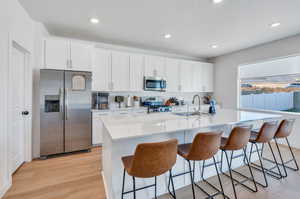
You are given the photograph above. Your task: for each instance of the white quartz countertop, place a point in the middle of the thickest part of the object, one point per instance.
(141, 125)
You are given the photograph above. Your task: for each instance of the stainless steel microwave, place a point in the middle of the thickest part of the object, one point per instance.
(155, 84)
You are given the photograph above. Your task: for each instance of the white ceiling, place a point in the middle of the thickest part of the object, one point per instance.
(195, 25)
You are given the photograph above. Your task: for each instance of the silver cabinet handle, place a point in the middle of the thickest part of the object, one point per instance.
(180, 88)
(111, 86)
(66, 104)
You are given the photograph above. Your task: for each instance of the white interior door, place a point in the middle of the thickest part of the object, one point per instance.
(17, 107)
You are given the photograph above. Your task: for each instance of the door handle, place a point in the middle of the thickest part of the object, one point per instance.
(61, 99)
(25, 112)
(66, 104)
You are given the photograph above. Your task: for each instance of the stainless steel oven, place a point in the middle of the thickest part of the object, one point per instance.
(155, 84)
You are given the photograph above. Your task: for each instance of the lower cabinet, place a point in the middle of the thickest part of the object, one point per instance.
(97, 129)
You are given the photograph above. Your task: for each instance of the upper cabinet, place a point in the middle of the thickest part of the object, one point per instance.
(172, 75)
(137, 72)
(120, 72)
(67, 55)
(155, 66)
(187, 76)
(80, 56)
(207, 77)
(197, 77)
(101, 75)
(56, 53)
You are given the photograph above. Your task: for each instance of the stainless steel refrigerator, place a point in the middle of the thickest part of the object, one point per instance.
(65, 110)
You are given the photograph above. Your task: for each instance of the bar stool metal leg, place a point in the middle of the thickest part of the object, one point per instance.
(219, 178)
(173, 194)
(284, 164)
(134, 194)
(229, 168)
(208, 183)
(262, 167)
(280, 156)
(248, 163)
(233, 180)
(297, 167)
(192, 178)
(123, 184)
(276, 163)
(155, 187)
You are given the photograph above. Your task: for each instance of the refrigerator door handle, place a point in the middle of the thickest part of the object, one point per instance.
(61, 99)
(66, 104)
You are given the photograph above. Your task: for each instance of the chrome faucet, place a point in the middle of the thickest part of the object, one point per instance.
(199, 99)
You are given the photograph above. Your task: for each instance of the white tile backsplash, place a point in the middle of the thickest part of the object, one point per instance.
(188, 97)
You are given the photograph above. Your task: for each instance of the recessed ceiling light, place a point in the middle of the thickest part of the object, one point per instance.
(214, 46)
(94, 20)
(167, 36)
(274, 25)
(217, 1)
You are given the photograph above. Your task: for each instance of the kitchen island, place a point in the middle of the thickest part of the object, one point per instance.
(123, 133)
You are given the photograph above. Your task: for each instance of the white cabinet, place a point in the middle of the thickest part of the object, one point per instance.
(67, 55)
(101, 70)
(80, 57)
(97, 128)
(56, 54)
(172, 75)
(120, 71)
(155, 66)
(208, 77)
(187, 76)
(197, 77)
(137, 71)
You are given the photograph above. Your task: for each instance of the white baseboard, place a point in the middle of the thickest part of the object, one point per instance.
(4, 189)
(105, 185)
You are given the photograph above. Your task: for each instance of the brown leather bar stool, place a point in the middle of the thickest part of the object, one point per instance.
(150, 160)
(204, 147)
(236, 141)
(284, 130)
(264, 136)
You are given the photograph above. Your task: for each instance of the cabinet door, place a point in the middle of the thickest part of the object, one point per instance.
(197, 77)
(208, 77)
(101, 70)
(97, 130)
(137, 68)
(120, 71)
(155, 66)
(56, 54)
(172, 75)
(186, 76)
(81, 56)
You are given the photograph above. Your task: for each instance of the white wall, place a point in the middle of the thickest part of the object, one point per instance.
(16, 26)
(226, 70)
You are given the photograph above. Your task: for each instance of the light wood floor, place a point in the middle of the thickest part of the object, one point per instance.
(78, 177)
(74, 176)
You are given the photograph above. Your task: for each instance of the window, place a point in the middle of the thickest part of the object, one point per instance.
(273, 85)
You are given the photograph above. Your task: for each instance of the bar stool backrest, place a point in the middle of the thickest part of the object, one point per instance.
(154, 159)
(205, 146)
(238, 138)
(267, 132)
(285, 128)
